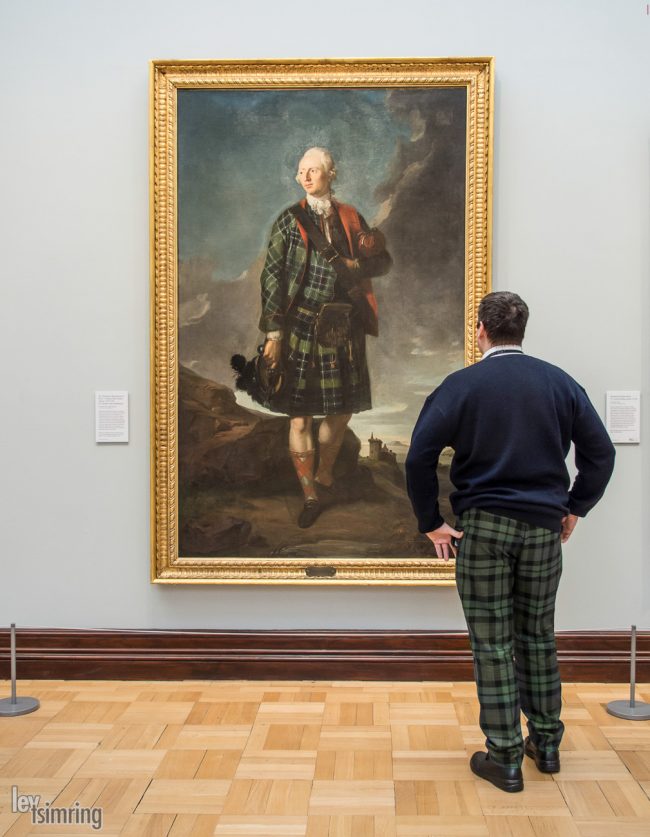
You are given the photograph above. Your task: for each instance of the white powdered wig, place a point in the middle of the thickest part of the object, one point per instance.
(327, 161)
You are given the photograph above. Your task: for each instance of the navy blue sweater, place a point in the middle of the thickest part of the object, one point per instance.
(510, 419)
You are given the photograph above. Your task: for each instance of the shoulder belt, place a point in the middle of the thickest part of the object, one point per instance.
(318, 240)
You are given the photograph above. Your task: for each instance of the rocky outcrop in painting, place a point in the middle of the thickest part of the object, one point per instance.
(239, 497)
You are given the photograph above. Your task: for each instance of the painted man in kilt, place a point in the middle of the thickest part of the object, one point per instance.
(308, 293)
(511, 420)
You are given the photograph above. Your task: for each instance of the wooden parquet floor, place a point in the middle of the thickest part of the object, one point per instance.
(310, 758)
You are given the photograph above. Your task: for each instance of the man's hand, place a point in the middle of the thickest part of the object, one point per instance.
(568, 525)
(351, 264)
(441, 539)
(273, 352)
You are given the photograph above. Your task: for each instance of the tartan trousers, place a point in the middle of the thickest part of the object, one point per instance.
(507, 574)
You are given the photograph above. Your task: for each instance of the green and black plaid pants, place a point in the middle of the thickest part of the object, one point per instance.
(507, 573)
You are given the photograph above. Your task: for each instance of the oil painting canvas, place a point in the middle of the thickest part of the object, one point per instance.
(321, 279)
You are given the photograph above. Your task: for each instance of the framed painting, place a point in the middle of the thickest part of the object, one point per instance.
(320, 240)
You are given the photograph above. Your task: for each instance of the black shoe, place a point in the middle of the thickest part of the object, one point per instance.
(547, 761)
(309, 513)
(505, 778)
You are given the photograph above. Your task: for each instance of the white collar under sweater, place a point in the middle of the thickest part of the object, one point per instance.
(511, 349)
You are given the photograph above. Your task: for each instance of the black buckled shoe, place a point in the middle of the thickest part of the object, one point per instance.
(547, 761)
(309, 513)
(507, 779)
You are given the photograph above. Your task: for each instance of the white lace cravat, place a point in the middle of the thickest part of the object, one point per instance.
(321, 206)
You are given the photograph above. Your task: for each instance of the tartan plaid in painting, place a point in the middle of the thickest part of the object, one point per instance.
(507, 573)
(285, 263)
(322, 380)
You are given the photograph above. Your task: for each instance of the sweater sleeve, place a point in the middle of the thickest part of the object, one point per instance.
(594, 457)
(432, 432)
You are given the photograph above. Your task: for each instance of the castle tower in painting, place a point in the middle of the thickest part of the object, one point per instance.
(375, 448)
(379, 452)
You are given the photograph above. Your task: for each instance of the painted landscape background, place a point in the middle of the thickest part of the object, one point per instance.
(400, 157)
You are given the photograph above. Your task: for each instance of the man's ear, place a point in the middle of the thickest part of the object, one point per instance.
(482, 340)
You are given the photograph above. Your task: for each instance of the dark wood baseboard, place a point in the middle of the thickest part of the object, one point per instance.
(44, 653)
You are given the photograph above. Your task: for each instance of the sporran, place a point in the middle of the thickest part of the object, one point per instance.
(333, 325)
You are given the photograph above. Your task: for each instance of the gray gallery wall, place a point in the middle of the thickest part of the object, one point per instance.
(571, 223)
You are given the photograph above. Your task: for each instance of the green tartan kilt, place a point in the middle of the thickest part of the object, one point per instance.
(320, 380)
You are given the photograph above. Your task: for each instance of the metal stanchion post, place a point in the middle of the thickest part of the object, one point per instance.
(630, 710)
(16, 705)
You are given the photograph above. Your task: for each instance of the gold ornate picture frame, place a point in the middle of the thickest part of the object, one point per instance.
(410, 144)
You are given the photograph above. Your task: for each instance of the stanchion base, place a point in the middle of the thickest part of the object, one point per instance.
(622, 709)
(22, 706)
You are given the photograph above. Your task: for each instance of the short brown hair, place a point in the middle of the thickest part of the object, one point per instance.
(504, 316)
